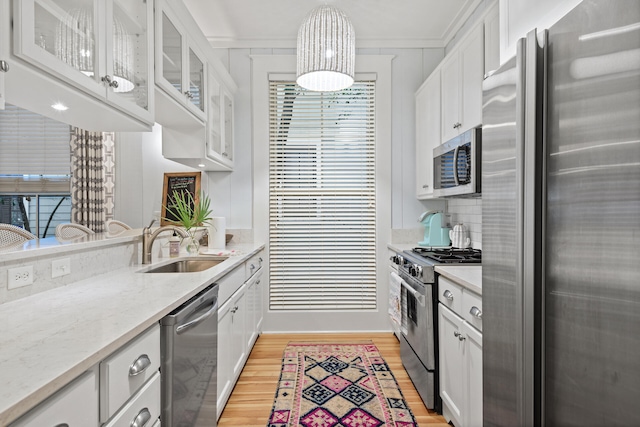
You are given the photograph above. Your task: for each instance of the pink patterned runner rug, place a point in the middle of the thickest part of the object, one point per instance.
(337, 385)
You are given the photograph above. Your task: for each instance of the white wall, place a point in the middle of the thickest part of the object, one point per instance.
(410, 68)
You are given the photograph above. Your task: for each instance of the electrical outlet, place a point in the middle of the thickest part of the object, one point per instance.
(20, 276)
(60, 267)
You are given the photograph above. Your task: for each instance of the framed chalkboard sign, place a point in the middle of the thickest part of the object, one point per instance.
(178, 181)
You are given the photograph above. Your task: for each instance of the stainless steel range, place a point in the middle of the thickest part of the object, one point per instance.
(419, 299)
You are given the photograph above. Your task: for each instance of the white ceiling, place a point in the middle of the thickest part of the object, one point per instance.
(377, 23)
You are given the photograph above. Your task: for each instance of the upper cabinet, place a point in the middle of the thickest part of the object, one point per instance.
(462, 75)
(194, 96)
(102, 48)
(219, 123)
(517, 18)
(427, 133)
(180, 66)
(5, 36)
(492, 40)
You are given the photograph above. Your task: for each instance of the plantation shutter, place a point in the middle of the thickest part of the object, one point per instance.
(322, 195)
(35, 145)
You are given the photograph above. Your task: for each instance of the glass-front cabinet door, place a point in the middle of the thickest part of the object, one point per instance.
(195, 92)
(227, 111)
(61, 36)
(214, 131)
(129, 54)
(171, 55)
(180, 67)
(101, 47)
(5, 36)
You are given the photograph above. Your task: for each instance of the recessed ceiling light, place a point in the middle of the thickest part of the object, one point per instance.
(59, 106)
(201, 165)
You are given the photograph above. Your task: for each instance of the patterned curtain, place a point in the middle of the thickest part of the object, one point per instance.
(87, 179)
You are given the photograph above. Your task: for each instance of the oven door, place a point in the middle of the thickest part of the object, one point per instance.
(417, 320)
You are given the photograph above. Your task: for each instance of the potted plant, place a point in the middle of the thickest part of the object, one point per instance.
(190, 213)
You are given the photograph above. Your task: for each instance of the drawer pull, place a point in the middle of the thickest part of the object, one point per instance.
(476, 312)
(139, 365)
(448, 295)
(141, 419)
(62, 425)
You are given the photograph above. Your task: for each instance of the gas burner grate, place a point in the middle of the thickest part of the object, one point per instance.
(450, 255)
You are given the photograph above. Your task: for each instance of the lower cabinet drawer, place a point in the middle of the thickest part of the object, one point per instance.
(125, 371)
(76, 405)
(144, 407)
(472, 309)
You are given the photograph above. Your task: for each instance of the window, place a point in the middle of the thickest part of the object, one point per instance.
(34, 171)
(322, 198)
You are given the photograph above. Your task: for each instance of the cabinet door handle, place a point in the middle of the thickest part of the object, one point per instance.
(425, 186)
(188, 94)
(476, 312)
(139, 365)
(456, 334)
(461, 338)
(141, 419)
(448, 295)
(4, 66)
(109, 81)
(62, 425)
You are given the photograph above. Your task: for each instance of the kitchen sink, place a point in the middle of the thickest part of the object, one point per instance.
(186, 265)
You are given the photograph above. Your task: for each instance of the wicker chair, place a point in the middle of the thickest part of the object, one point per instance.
(72, 231)
(11, 235)
(113, 226)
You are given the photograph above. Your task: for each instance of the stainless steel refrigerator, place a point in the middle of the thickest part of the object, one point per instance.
(561, 224)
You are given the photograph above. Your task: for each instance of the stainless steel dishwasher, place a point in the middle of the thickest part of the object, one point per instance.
(189, 342)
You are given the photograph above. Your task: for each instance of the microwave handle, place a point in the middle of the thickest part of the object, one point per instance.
(455, 165)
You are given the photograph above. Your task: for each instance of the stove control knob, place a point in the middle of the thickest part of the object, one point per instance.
(418, 270)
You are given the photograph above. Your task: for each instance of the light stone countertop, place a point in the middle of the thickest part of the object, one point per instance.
(50, 338)
(469, 276)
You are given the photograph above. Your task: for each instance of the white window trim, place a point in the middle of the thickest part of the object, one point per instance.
(376, 320)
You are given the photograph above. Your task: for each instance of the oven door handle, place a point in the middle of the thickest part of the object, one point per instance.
(416, 294)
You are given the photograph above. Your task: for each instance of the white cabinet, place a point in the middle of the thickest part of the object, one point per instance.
(254, 309)
(101, 48)
(219, 124)
(5, 36)
(76, 405)
(517, 18)
(195, 93)
(462, 73)
(180, 65)
(142, 409)
(460, 357)
(427, 133)
(125, 372)
(231, 345)
(492, 40)
(451, 352)
(239, 323)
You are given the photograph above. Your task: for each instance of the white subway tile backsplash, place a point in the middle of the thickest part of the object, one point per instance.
(469, 213)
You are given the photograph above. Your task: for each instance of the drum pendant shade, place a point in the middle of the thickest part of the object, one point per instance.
(326, 50)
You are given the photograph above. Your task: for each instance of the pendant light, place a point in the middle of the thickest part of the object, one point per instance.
(326, 50)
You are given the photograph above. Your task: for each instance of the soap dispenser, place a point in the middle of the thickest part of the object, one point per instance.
(174, 245)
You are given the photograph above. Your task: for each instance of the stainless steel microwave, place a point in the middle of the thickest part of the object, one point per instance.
(456, 165)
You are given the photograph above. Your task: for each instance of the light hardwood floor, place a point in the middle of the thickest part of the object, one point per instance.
(251, 399)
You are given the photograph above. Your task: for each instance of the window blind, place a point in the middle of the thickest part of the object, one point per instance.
(31, 144)
(322, 195)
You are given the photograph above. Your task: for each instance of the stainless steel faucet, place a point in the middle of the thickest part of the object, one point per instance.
(148, 238)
